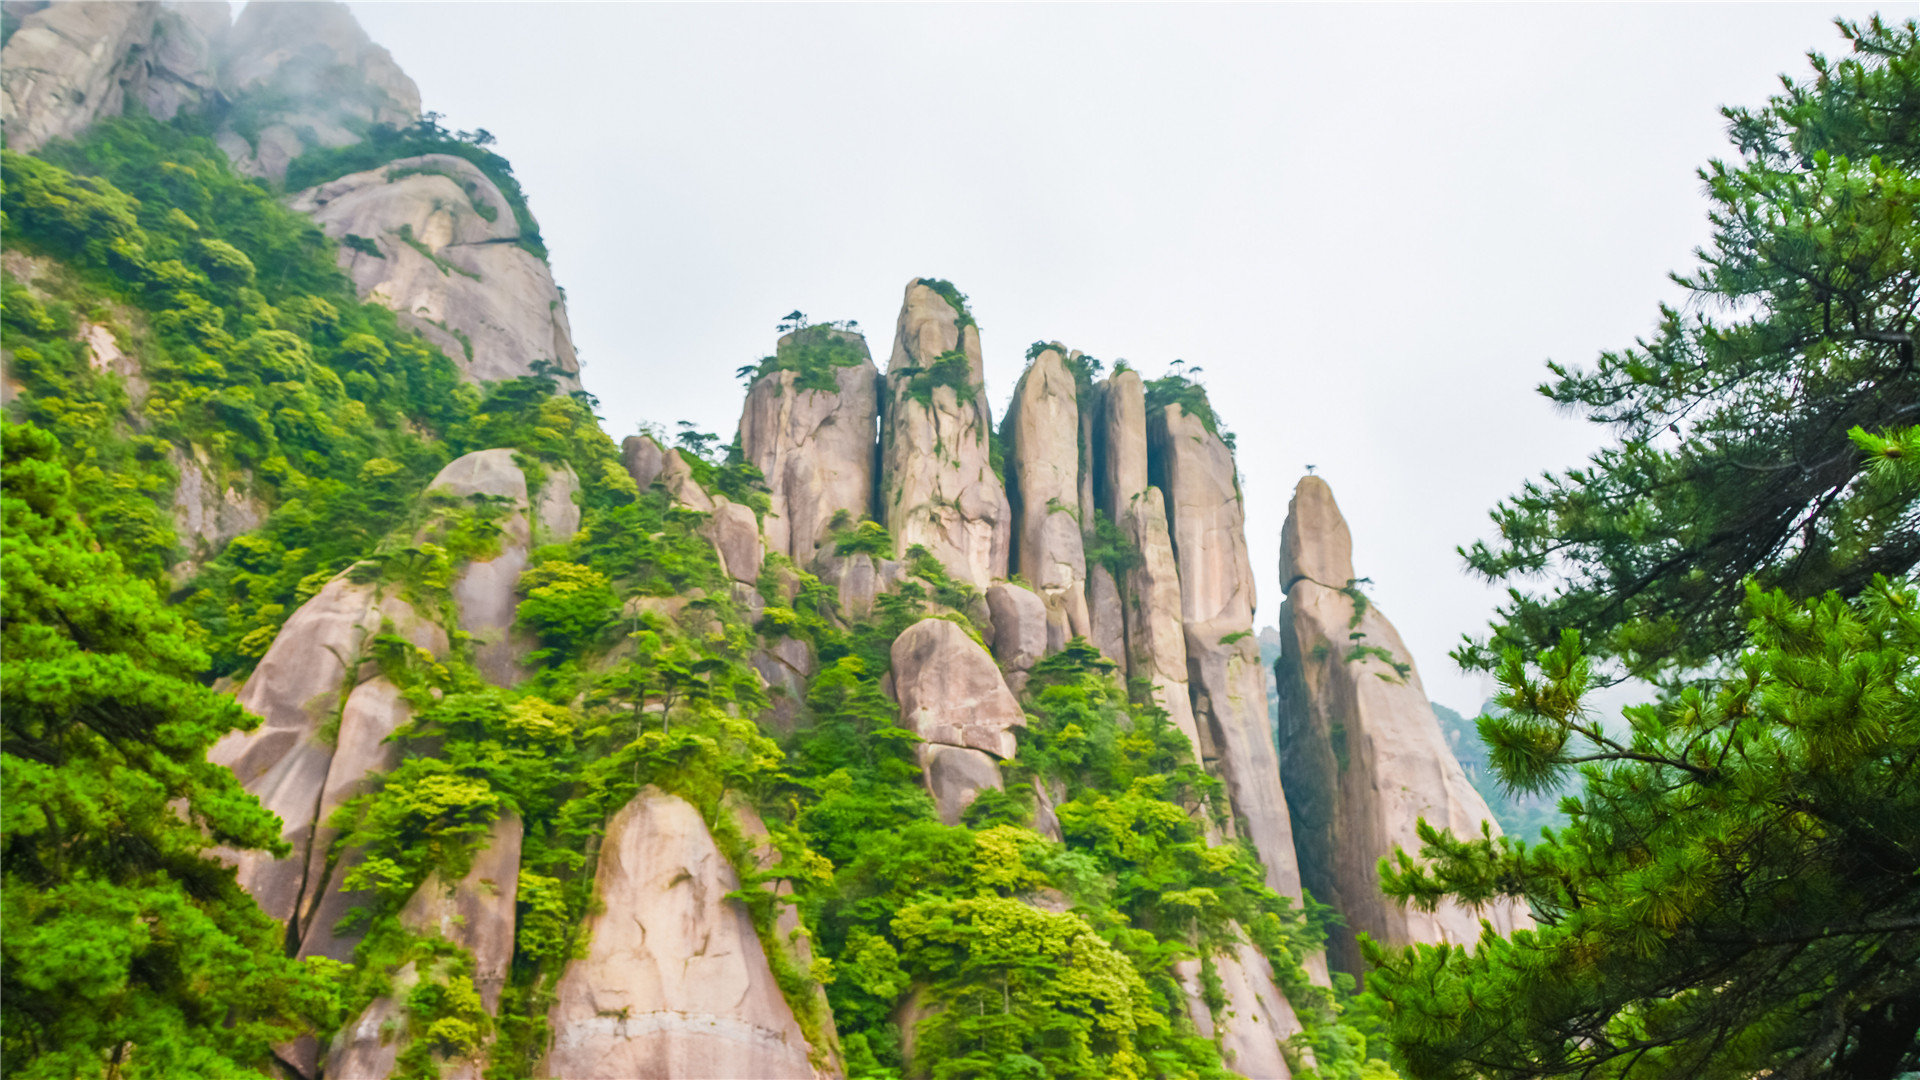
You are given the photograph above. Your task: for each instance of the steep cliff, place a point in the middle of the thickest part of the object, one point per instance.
(1044, 450)
(1361, 752)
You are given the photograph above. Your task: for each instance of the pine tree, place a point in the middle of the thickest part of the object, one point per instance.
(1735, 893)
(128, 951)
(1736, 890)
(1771, 428)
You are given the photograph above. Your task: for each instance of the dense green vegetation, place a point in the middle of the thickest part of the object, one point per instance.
(127, 949)
(1733, 894)
(252, 347)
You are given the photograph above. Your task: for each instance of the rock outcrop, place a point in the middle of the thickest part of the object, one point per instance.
(1044, 468)
(1156, 642)
(1363, 757)
(953, 697)
(475, 913)
(1216, 609)
(314, 79)
(937, 484)
(433, 238)
(674, 983)
(69, 64)
(815, 446)
(485, 590)
(313, 668)
(1256, 1019)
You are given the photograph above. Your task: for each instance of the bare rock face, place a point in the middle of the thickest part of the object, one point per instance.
(734, 532)
(937, 486)
(674, 983)
(1122, 473)
(952, 696)
(859, 579)
(1044, 466)
(784, 664)
(1363, 755)
(1109, 616)
(1216, 606)
(207, 514)
(1019, 628)
(485, 592)
(815, 447)
(324, 79)
(295, 691)
(449, 264)
(477, 911)
(1256, 1019)
(1156, 635)
(792, 935)
(69, 64)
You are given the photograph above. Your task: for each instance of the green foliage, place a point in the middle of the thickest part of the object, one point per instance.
(128, 950)
(869, 537)
(383, 144)
(1521, 814)
(1734, 890)
(363, 245)
(950, 368)
(1733, 458)
(287, 384)
(1176, 388)
(816, 353)
(1108, 545)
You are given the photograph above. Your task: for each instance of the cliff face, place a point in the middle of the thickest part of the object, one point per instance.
(1361, 753)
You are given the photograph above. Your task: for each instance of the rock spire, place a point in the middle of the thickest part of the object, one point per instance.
(1360, 750)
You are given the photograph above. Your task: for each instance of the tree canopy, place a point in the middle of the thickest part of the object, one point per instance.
(1769, 428)
(1734, 893)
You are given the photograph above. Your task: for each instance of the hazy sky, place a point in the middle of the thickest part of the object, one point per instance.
(1370, 226)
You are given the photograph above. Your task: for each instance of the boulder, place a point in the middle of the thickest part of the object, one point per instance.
(446, 258)
(1256, 1019)
(955, 776)
(1363, 756)
(953, 697)
(1019, 626)
(317, 79)
(859, 579)
(950, 691)
(1229, 690)
(644, 459)
(1044, 469)
(937, 484)
(815, 447)
(674, 982)
(369, 1047)
(734, 533)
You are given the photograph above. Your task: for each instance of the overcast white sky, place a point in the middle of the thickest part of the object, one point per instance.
(1369, 225)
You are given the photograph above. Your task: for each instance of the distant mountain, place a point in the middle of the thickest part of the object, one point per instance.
(1520, 815)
